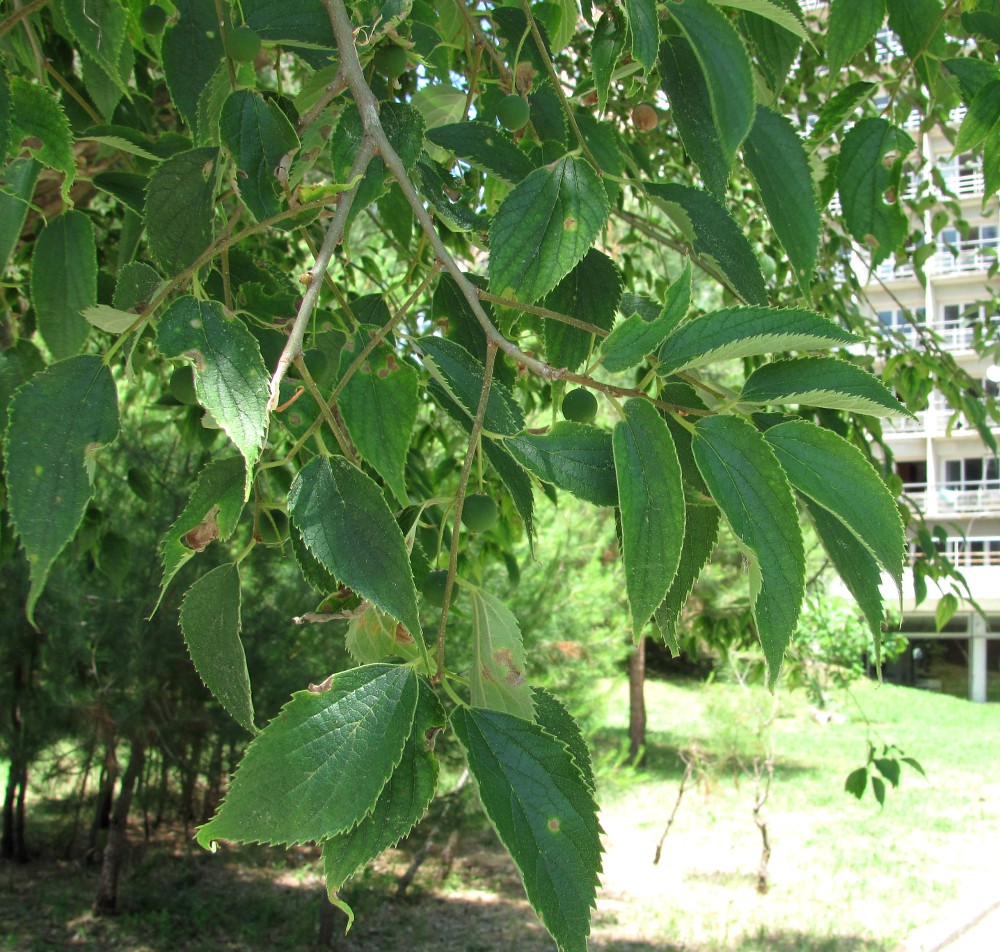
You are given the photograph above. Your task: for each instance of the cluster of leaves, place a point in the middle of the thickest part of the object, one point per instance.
(882, 766)
(459, 276)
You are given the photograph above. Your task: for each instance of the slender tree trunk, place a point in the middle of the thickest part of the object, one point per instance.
(162, 794)
(637, 703)
(79, 797)
(213, 787)
(14, 845)
(105, 798)
(106, 902)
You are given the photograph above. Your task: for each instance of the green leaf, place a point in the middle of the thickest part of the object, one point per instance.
(865, 175)
(889, 768)
(590, 292)
(835, 474)
(210, 620)
(180, 208)
(229, 374)
(318, 768)
(496, 679)
(543, 812)
(981, 119)
(211, 513)
(402, 802)
(109, 319)
(576, 457)
(634, 338)
(605, 52)
(554, 718)
(878, 788)
(98, 29)
(643, 31)
(746, 332)
(257, 134)
(191, 51)
(691, 108)
(57, 421)
(484, 146)
(379, 405)
(775, 12)
(20, 177)
(836, 110)
(821, 382)
(129, 188)
(855, 565)
(946, 607)
(776, 48)
(64, 282)
(544, 227)
(701, 533)
(36, 116)
(107, 85)
(750, 487)
(462, 377)
(777, 160)
(17, 365)
(857, 782)
(714, 236)
(302, 24)
(852, 25)
(346, 524)
(918, 23)
(651, 498)
(972, 74)
(5, 110)
(725, 65)
(374, 636)
(136, 286)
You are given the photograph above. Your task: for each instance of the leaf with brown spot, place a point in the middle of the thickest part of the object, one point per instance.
(497, 675)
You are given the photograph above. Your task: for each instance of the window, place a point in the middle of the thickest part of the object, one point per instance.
(901, 320)
(973, 473)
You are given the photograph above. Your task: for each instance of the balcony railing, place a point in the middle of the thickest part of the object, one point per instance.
(967, 183)
(918, 424)
(978, 254)
(954, 498)
(959, 334)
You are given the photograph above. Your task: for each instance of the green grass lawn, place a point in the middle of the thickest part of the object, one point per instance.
(843, 875)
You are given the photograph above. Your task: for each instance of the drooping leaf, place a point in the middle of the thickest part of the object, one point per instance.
(98, 29)
(57, 421)
(543, 812)
(745, 332)
(544, 227)
(981, 120)
(643, 31)
(373, 636)
(857, 782)
(606, 50)
(109, 319)
(553, 717)
(107, 85)
(590, 292)
(632, 339)
(484, 146)
(701, 533)
(496, 679)
(179, 208)
(402, 802)
(257, 134)
(37, 117)
(776, 47)
(303, 24)
(64, 282)
(865, 179)
(714, 236)
(191, 50)
(576, 457)
(836, 110)
(918, 24)
(777, 160)
(229, 374)
(691, 108)
(210, 620)
(851, 26)
(821, 382)
(20, 177)
(346, 524)
(773, 10)
(211, 513)
(854, 564)
(835, 474)
(318, 768)
(379, 405)
(462, 376)
(750, 487)
(651, 499)
(726, 68)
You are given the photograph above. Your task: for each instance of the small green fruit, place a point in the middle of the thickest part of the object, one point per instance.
(479, 513)
(153, 19)
(580, 406)
(390, 61)
(243, 44)
(272, 527)
(182, 386)
(513, 112)
(433, 586)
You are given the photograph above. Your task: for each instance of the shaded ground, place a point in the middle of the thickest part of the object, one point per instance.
(844, 875)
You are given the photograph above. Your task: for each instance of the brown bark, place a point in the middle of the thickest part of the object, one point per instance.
(14, 846)
(637, 703)
(105, 798)
(106, 901)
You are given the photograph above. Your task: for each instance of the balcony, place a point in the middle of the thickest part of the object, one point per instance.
(965, 257)
(954, 499)
(961, 334)
(905, 425)
(968, 183)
